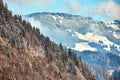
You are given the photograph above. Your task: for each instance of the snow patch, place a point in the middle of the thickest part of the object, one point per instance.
(91, 37)
(60, 17)
(114, 26)
(107, 49)
(83, 46)
(69, 30)
(110, 72)
(54, 18)
(111, 24)
(60, 21)
(116, 35)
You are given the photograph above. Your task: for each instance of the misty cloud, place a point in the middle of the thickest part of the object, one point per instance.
(40, 3)
(107, 7)
(110, 8)
(72, 6)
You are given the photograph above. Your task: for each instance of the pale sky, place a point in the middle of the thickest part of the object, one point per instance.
(97, 9)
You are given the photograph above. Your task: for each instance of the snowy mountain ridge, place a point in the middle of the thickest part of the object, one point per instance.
(82, 30)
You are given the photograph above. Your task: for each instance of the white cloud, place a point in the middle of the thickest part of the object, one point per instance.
(73, 6)
(109, 7)
(40, 3)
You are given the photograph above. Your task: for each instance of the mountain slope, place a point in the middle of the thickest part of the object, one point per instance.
(79, 32)
(96, 42)
(25, 54)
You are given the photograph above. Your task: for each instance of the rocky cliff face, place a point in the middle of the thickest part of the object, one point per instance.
(25, 54)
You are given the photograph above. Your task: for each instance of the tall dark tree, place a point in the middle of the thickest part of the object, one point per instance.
(61, 46)
(69, 52)
(37, 32)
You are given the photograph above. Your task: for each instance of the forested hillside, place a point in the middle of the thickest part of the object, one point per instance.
(25, 54)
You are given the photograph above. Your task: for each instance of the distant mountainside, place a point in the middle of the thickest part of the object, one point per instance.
(96, 42)
(25, 54)
(80, 33)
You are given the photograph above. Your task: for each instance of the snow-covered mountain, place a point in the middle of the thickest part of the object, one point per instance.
(100, 40)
